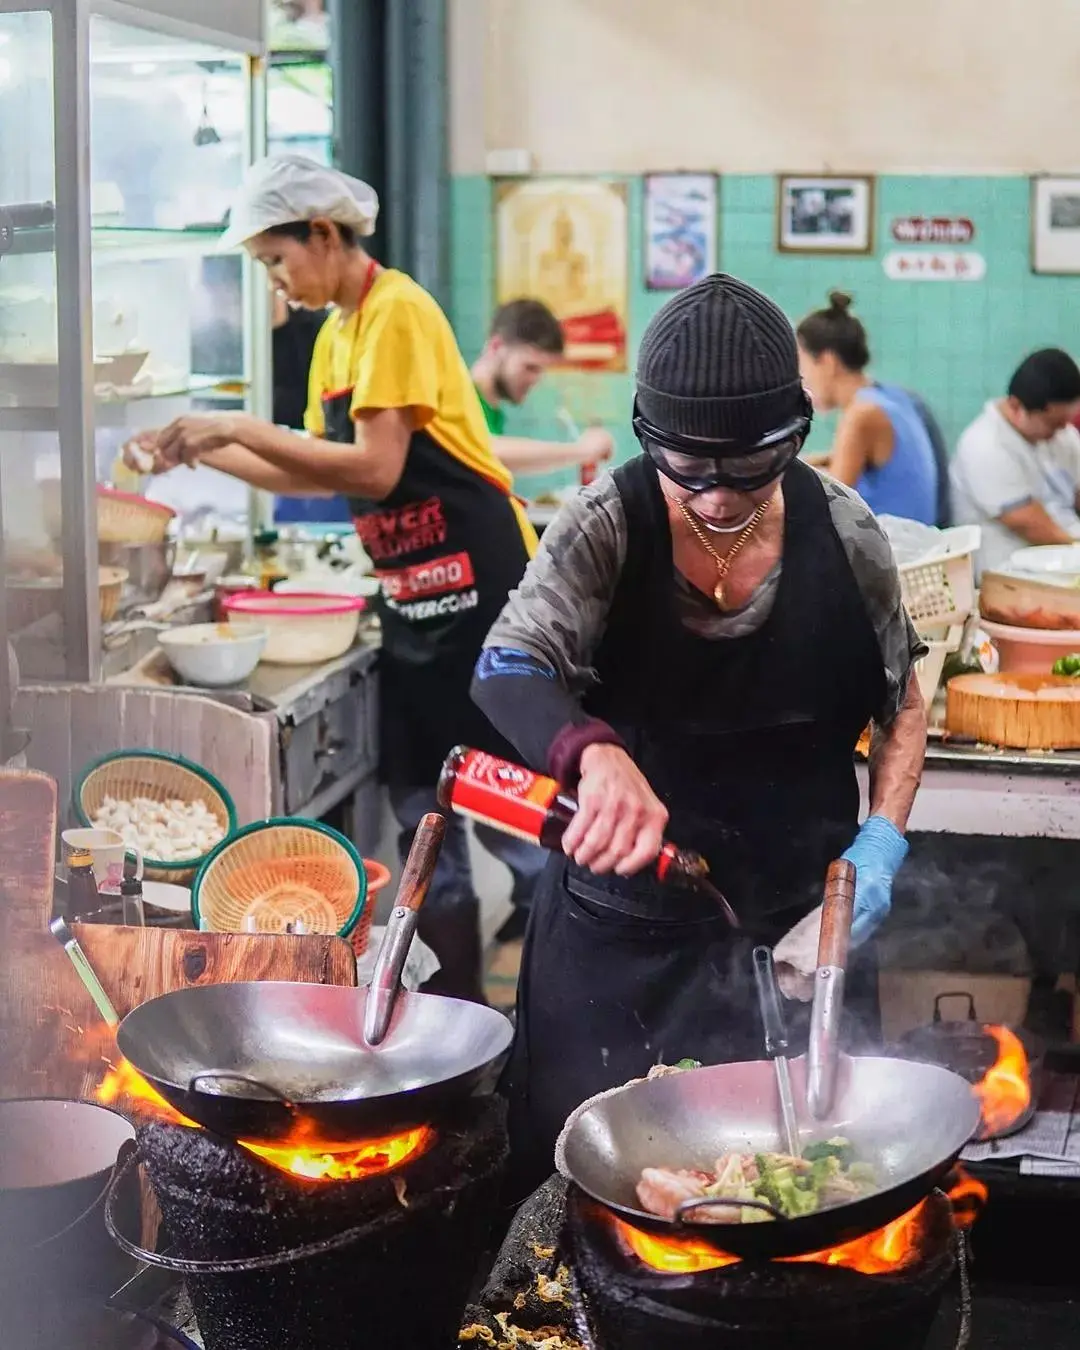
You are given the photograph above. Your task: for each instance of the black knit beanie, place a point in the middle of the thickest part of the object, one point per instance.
(719, 361)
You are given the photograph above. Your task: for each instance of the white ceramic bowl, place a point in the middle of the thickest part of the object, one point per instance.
(214, 655)
(305, 629)
(1058, 564)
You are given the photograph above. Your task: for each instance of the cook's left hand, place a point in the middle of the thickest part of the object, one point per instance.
(877, 853)
(186, 440)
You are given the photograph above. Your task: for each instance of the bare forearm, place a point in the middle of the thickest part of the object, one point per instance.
(896, 759)
(353, 468)
(239, 462)
(524, 455)
(1033, 523)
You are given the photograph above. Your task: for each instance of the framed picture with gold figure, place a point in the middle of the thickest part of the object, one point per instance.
(565, 241)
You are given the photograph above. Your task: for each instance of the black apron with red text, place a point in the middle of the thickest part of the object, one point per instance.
(750, 744)
(447, 549)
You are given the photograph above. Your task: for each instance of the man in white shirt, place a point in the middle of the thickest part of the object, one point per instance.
(1016, 471)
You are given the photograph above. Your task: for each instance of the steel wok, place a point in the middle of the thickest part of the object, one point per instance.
(254, 1060)
(908, 1121)
(310, 1063)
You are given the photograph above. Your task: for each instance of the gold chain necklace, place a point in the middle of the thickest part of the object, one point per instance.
(723, 560)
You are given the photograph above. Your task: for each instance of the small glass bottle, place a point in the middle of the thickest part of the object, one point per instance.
(133, 912)
(83, 898)
(513, 799)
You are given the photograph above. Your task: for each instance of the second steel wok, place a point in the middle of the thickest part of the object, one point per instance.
(269, 1062)
(908, 1121)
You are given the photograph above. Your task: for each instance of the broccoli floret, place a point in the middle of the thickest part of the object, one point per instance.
(837, 1148)
(688, 1064)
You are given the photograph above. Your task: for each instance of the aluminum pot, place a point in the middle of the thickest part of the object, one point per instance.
(149, 567)
(57, 1159)
(969, 1049)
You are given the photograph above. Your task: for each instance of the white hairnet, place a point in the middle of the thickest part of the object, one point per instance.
(288, 188)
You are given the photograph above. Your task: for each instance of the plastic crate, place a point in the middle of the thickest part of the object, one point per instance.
(941, 591)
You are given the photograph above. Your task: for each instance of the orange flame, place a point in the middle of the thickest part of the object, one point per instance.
(302, 1154)
(890, 1249)
(1004, 1092)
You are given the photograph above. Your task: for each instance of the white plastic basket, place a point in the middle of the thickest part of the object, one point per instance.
(928, 669)
(940, 591)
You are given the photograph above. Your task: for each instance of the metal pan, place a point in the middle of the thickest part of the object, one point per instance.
(267, 1061)
(909, 1121)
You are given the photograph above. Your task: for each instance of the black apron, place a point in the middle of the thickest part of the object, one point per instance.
(750, 744)
(447, 549)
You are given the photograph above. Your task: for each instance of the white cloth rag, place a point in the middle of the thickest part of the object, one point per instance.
(795, 956)
(420, 964)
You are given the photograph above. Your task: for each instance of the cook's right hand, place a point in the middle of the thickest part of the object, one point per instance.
(143, 455)
(620, 822)
(595, 444)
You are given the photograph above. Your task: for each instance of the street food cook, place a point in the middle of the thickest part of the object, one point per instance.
(695, 651)
(396, 426)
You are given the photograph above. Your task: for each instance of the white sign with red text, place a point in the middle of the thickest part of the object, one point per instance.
(940, 265)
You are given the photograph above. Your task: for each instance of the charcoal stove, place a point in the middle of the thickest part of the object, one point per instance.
(274, 1260)
(639, 1292)
(568, 1278)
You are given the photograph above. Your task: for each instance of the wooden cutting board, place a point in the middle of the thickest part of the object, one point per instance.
(52, 1039)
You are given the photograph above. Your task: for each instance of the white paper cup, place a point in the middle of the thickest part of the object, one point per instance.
(107, 848)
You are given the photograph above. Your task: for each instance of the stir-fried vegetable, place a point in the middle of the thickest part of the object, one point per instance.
(825, 1175)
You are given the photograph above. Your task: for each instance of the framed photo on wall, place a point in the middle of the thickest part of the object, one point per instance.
(680, 229)
(565, 241)
(1055, 225)
(825, 213)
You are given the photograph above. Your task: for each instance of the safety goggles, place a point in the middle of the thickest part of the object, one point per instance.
(699, 465)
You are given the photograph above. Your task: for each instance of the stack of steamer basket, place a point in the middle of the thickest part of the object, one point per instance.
(1032, 619)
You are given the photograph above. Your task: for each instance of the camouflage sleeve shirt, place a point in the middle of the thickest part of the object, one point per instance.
(558, 614)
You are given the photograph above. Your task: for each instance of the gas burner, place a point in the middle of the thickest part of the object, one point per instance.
(286, 1254)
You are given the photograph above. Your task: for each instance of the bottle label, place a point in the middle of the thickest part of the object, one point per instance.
(507, 796)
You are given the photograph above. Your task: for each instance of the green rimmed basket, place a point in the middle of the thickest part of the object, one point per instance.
(270, 876)
(126, 774)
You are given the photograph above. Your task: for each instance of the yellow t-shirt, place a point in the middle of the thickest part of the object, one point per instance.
(399, 351)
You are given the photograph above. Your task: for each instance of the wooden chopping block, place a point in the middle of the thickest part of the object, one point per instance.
(53, 1042)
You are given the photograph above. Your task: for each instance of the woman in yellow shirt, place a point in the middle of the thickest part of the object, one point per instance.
(396, 426)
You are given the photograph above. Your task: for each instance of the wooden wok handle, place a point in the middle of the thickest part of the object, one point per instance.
(420, 864)
(837, 909)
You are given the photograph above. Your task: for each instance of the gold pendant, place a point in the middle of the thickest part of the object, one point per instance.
(718, 595)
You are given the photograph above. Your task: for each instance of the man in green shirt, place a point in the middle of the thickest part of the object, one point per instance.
(525, 341)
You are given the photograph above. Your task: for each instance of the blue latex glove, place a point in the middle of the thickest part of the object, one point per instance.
(877, 853)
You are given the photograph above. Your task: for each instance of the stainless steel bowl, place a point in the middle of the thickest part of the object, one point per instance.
(149, 567)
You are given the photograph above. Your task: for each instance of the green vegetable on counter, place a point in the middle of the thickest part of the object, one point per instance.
(1067, 665)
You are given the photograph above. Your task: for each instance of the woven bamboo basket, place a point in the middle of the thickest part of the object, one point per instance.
(1017, 710)
(124, 518)
(127, 774)
(274, 876)
(110, 590)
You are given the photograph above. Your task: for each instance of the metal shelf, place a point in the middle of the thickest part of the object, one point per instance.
(108, 411)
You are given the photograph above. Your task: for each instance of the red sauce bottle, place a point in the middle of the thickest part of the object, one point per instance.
(517, 801)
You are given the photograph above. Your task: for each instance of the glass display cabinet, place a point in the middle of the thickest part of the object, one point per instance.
(125, 130)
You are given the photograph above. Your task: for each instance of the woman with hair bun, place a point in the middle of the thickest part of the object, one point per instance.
(885, 440)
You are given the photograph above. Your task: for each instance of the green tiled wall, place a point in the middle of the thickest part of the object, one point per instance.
(956, 343)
